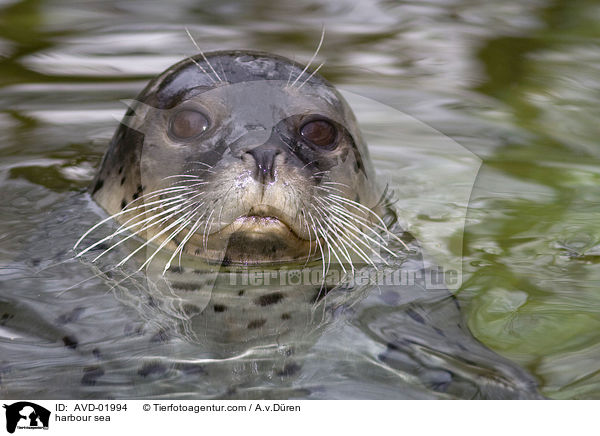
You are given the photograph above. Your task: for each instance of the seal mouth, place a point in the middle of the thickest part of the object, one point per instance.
(262, 236)
(260, 220)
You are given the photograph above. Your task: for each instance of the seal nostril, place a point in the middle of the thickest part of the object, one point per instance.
(264, 157)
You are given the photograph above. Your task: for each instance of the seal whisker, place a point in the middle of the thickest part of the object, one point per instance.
(330, 249)
(175, 210)
(309, 163)
(202, 69)
(183, 242)
(179, 245)
(368, 210)
(386, 198)
(180, 176)
(335, 239)
(312, 58)
(99, 273)
(179, 187)
(344, 212)
(169, 227)
(122, 212)
(187, 184)
(153, 194)
(346, 216)
(291, 72)
(325, 270)
(193, 184)
(311, 74)
(151, 224)
(343, 230)
(202, 163)
(329, 189)
(113, 216)
(208, 168)
(304, 223)
(359, 238)
(162, 196)
(223, 71)
(345, 238)
(168, 201)
(204, 57)
(124, 228)
(95, 226)
(349, 232)
(157, 193)
(204, 235)
(329, 182)
(165, 242)
(192, 230)
(190, 233)
(223, 205)
(326, 235)
(369, 225)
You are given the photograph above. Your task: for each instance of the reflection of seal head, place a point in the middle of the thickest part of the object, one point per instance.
(245, 158)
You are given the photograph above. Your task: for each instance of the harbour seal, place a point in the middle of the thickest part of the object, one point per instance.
(243, 158)
(232, 161)
(235, 161)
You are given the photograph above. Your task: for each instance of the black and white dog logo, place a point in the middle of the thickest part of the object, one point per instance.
(26, 415)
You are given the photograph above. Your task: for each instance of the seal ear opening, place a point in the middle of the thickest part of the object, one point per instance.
(134, 117)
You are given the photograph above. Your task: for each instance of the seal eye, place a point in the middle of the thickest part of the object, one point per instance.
(187, 123)
(320, 132)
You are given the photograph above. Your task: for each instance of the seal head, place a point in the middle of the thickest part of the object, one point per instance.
(241, 157)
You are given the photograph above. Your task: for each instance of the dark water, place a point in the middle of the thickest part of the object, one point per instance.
(452, 95)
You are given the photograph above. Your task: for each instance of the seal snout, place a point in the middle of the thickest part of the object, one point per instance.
(264, 157)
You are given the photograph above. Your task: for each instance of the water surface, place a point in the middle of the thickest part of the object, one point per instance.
(514, 83)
